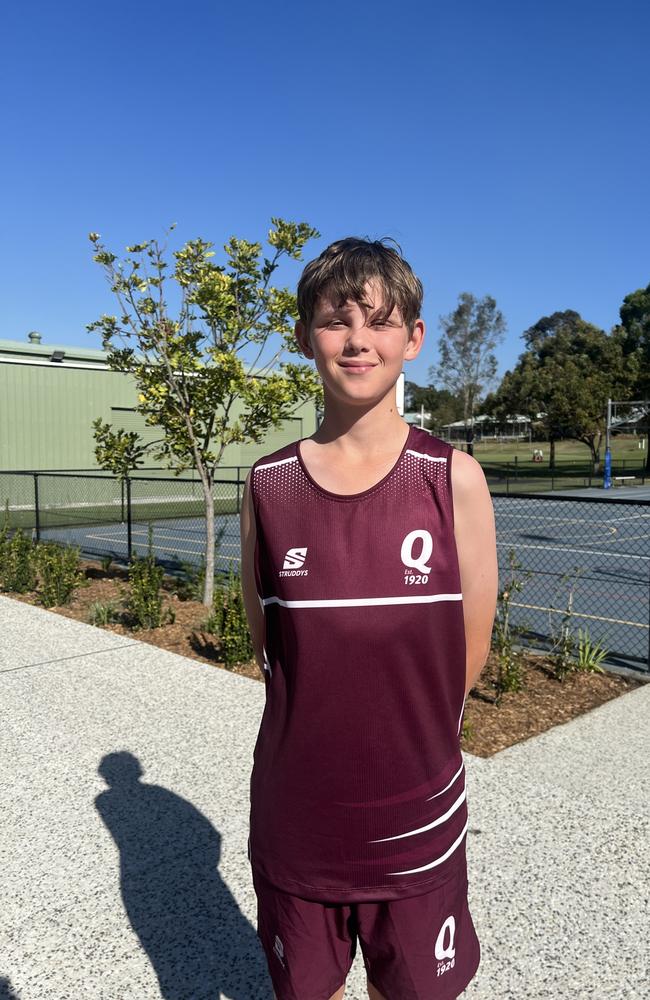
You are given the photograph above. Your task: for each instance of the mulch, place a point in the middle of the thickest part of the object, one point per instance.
(543, 702)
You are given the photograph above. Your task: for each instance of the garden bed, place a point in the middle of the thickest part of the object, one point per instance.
(543, 702)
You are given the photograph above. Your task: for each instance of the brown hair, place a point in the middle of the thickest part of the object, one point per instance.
(345, 267)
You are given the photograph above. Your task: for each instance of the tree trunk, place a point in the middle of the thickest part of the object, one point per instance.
(208, 589)
(551, 453)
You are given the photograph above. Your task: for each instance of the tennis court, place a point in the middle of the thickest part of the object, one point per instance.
(601, 540)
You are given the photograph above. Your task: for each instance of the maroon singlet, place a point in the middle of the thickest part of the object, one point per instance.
(358, 785)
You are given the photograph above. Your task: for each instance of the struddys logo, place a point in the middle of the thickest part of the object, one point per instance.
(294, 562)
(445, 950)
(416, 552)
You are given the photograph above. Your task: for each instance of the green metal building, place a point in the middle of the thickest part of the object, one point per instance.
(50, 395)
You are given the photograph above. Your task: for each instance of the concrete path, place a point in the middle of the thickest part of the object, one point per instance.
(124, 812)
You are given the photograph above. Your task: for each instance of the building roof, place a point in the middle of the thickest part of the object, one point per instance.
(32, 351)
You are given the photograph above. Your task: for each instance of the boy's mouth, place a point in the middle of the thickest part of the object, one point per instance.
(356, 367)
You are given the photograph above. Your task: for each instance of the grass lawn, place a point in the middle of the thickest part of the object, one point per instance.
(625, 449)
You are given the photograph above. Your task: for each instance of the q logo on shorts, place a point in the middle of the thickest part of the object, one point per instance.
(445, 948)
(420, 561)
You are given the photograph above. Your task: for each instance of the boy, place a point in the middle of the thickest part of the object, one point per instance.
(369, 574)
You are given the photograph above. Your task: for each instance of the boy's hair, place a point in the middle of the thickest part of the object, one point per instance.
(345, 267)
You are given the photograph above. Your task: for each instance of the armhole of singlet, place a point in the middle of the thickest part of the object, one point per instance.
(450, 492)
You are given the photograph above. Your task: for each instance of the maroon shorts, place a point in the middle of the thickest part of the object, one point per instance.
(421, 948)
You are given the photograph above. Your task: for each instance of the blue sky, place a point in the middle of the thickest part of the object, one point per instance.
(505, 145)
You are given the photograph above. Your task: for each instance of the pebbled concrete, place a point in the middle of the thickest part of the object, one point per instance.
(124, 811)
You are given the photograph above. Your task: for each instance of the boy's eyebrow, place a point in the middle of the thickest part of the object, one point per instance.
(331, 310)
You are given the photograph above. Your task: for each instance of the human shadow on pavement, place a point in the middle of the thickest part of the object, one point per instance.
(6, 992)
(198, 941)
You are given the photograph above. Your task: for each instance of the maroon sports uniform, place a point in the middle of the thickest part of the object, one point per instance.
(358, 785)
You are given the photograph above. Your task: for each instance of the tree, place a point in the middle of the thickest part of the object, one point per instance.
(188, 369)
(467, 364)
(635, 330)
(568, 372)
(443, 407)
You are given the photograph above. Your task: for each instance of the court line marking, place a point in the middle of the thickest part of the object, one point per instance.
(583, 552)
(580, 614)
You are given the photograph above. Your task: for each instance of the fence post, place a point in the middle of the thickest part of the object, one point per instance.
(128, 518)
(36, 510)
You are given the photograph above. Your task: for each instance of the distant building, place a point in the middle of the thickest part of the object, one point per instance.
(514, 428)
(51, 393)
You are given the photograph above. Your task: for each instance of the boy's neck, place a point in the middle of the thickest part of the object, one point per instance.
(368, 433)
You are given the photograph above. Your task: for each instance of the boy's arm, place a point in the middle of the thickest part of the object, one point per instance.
(254, 612)
(475, 534)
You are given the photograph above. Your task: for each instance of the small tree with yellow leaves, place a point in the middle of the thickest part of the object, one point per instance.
(188, 369)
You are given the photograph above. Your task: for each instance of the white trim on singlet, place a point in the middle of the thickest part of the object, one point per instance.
(438, 861)
(441, 819)
(423, 454)
(448, 785)
(280, 461)
(460, 717)
(356, 602)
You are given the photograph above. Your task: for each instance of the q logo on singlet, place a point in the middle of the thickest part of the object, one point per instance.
(417, 540)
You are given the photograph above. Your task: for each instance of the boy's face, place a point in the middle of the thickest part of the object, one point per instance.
(359, 353)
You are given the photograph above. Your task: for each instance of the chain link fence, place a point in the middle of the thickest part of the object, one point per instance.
(587, 556)
(106, 516)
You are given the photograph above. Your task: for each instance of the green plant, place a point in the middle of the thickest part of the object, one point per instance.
(105, 563)
(188, 366)
(188, 584)
(509, 660)
(18, 571)
(58, 571)
(103, 613)
(4, 538)
(228, 620)
(144, 601)
(467, 731)
(571, 655)
(590, 653)
(191, 584)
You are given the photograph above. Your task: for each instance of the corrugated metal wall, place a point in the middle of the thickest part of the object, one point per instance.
(46, 414)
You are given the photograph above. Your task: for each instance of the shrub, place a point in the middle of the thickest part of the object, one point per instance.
(103, 613)
(18, 571)
(509, 661)
(144, 601)
(590, 653)
(568, 654)
(189, 586)
(59, 573)
(229, 621)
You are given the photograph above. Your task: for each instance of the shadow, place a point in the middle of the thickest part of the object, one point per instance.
(202, 644)
(6, 992)
(187, 920)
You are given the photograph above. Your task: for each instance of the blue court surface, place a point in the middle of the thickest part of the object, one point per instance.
(601, 548)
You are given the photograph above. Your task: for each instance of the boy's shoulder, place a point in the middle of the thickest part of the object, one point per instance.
(428, 444)
(279, 455)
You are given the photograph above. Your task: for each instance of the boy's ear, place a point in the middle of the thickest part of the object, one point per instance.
(303, 339)
(415, 340)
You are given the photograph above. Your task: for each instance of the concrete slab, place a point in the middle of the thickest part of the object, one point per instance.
(25, 641)
(124, 776)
